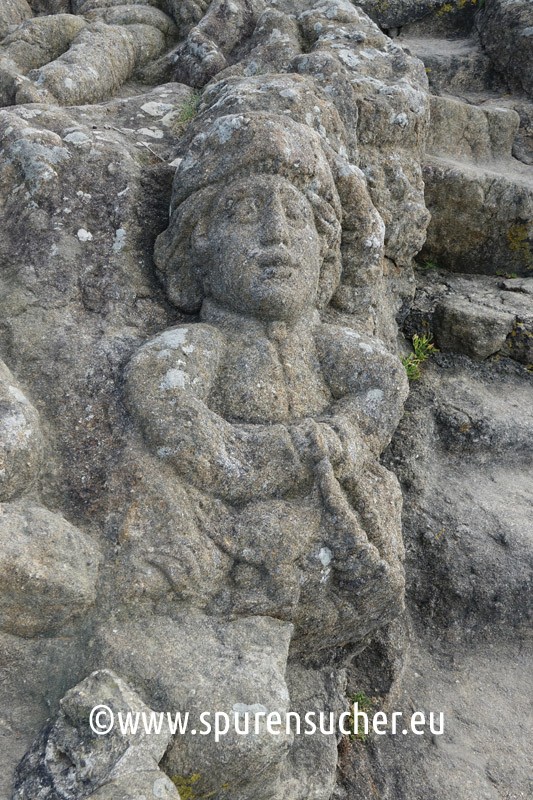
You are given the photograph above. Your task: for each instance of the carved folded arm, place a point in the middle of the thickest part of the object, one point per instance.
(368, 383)
(168, 383)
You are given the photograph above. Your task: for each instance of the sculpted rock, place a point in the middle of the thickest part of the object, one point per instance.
(48, 568)
(71, 762)
(13, 12)
(48, 571)
(396, 13)
(221, 429)
(88, 74)
(270, 419)
(262, 404)
(84, 58)
(211, 44)
(475, 189)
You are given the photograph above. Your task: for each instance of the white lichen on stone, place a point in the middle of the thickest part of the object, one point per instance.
(175, 379)
(120, 240)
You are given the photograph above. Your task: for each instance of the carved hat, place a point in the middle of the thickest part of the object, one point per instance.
(243, 145)
(237, 146)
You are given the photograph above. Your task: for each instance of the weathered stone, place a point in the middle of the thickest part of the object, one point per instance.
(177, 368)
(453, 66)
(20, 439)
(469, 133)
(195, 663)
(266, 527)
(506, 32)
(481, 199)
(211, 44)
(393, 14)
(36, 673)
(70, 761)
(13, 12)
(50, 6)
(310, 770)
(476, 447)
(472, 329)
(476, 316)
(100, 59)
(48, 571)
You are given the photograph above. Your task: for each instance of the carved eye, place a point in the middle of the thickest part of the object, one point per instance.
(298, 215)
(246, 210)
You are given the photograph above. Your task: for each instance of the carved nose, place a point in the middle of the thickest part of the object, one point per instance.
(274, 224)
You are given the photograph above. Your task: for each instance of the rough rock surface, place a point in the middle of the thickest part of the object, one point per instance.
(463, 455)
(12, 13)
(209, 216)
(477, 189)
(71, 761)
(505, 29)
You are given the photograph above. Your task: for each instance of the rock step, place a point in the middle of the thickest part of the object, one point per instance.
(481, 216)
(523, 145)
(452, 65)
(477, 316)
(472, 133)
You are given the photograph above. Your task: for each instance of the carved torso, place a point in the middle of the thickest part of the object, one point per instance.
(270, 372)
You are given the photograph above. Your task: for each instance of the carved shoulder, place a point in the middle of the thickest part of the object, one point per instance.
(180, 360)
(368, 382)
(354, 363)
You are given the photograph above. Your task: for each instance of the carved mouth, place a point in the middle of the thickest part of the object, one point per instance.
(276, 274)
(275, 266)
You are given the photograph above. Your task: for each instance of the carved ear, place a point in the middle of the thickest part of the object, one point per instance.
(330, 276)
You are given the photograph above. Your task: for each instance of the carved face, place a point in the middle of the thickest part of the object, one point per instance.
(263, 250)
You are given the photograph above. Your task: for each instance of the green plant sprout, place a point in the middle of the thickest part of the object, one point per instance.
(366, 704)
(423, 347)
(428, 263)
(189, 108)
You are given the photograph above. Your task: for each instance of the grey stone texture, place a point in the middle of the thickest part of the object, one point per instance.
(393, 14)
(198, 663)
(209, 216)
(12, 13)
(48, 568)
(216, 398)
(505, 29)
(72, 762)
(478, 190)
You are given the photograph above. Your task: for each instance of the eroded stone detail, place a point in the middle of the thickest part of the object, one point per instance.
(48, 568)
(71, 762)
(274, 418)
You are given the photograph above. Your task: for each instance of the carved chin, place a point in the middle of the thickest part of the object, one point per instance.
(274, 299)
(279, 304)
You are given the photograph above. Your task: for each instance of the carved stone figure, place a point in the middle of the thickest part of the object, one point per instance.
(263, 498)
(252, 537)
(262, 405)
